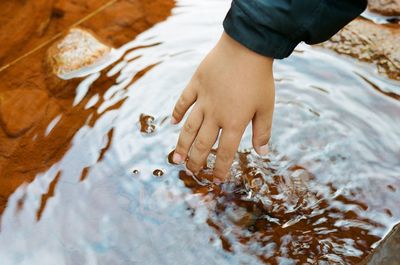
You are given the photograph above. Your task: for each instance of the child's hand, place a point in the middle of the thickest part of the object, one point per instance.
(231, 87)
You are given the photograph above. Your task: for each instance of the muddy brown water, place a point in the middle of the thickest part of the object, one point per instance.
(326, 194)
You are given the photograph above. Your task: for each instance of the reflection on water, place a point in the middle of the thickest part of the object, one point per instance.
(327, 192)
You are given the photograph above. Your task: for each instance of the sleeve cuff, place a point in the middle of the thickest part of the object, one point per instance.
(257, 38)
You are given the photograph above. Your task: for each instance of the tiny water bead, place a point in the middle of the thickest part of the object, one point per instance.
(135, 171)
(158, 172)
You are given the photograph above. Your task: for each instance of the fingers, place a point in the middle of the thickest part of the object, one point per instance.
(187, 135)
(205, 140)
(187, 98)
(261, 132)
(228, 145)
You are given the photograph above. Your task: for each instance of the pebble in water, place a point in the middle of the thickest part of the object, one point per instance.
(77, 50)
(147, 125)
(158, 172)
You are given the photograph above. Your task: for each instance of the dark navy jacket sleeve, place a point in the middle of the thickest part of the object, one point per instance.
(275, 27)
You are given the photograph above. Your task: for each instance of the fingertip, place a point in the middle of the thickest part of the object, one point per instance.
(262, 150)
(177, 158)
(174, 121)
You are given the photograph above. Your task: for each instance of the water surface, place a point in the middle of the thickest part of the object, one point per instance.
(327, 192)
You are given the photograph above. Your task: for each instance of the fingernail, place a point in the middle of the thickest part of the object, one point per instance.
(173, 121)
(177, 158)
(262, 150)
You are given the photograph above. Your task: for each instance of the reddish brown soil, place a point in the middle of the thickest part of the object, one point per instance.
(20, 35)
(31, 96)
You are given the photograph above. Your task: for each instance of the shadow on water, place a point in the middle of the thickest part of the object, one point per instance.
(326, 193)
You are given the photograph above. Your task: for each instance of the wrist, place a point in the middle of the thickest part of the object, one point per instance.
(234, 48)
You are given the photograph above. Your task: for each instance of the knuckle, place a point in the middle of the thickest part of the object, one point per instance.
(193, 166)
(177, 111)
(189, 128)
(198, 79)
(183, 101)
(235, 125)
(201, 145)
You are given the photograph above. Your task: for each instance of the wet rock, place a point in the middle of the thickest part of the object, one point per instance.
(147, 125)
(385, 7)
(369, 42)
(77, 50)
(28, 24)
(20, 109)
(387, 251)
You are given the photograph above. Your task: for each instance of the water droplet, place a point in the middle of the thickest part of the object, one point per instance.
(158, 172)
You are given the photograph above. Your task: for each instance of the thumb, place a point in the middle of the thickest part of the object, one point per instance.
(261, 132)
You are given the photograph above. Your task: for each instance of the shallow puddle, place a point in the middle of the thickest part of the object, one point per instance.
(326, 194)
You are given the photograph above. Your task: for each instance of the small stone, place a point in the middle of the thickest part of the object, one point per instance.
(147, 125)
(77, 50)
(391, 188)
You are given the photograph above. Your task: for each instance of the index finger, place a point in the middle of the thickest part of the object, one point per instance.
(227, 148)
